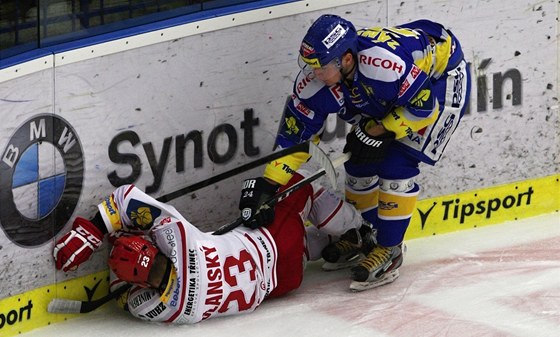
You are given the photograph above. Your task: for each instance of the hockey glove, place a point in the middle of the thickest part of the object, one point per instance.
(76, 246)
(364, 148)
(253, 194)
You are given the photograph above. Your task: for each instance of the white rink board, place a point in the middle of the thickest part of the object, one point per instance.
(141, 101)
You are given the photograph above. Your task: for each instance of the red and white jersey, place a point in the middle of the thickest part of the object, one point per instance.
(212, 276)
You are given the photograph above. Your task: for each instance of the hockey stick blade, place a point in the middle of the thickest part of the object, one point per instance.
(285, 193)
(66, 306)
(303, 147)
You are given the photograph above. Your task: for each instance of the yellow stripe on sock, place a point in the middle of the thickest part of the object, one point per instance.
(394, 205)
(362, 201)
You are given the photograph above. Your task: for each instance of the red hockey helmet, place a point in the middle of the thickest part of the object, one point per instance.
(131, 259)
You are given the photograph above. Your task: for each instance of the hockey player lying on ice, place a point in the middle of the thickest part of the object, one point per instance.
(182, 275)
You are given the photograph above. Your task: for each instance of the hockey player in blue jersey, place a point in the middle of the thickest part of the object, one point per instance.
(404, 89)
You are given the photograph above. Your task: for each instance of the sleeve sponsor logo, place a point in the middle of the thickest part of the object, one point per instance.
(415, 71)
(110, 209)
(404, 87)
(173, 290)
(301, 107)
(265, 246)
(410, 78)
(292, 128)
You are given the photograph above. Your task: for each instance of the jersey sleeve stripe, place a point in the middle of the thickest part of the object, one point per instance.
(128, 190)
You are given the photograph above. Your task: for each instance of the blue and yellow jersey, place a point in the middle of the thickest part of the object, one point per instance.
(394, 84)
(303, 119)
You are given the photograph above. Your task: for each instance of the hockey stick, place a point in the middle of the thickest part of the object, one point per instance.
(327, 169)
(65, 306)
(302, 147)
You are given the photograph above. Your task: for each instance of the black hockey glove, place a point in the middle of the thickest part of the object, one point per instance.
(366, 149)
(253, 194)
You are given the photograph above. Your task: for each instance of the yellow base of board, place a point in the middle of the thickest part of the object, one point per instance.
(485, 207)
(28, 311)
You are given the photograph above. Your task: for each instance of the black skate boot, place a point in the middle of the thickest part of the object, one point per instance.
(380, 266)
(349, 249)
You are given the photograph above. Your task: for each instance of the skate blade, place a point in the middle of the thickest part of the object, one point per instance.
(348, 262)
(389, 277)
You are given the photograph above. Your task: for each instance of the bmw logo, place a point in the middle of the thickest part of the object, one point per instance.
(41, 176)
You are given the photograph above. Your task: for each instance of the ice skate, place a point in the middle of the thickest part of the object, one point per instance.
(379, 267)
(350, 249)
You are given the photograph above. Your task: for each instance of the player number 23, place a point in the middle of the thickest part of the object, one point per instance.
(232, 267)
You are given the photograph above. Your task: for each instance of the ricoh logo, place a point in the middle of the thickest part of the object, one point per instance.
(109, 205)
(492, 89)
(382, 63)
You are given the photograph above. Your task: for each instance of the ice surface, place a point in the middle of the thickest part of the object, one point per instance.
(501, 280)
